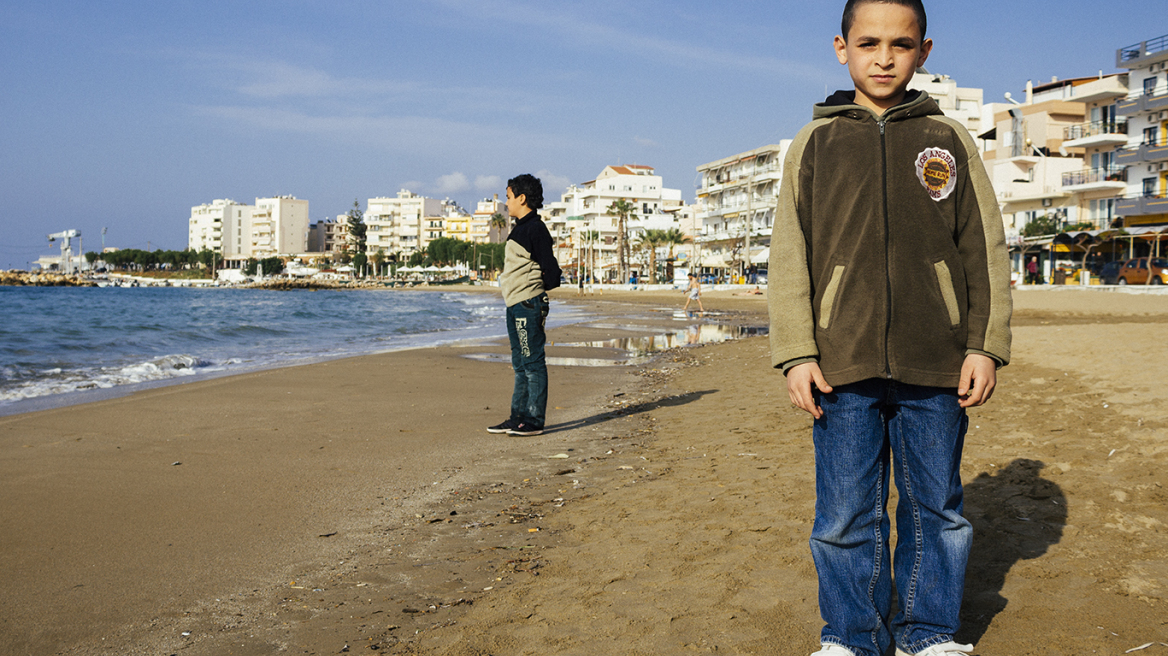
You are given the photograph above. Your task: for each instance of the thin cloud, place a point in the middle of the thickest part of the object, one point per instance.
(553, 185)
(452, 183)
(600, 35)
(488, 183)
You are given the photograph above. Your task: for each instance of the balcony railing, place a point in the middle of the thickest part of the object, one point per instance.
(1091, 176)
(1094, 129)
(1143, 49)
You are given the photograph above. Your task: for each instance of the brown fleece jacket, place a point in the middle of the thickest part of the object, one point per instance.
(888, 256)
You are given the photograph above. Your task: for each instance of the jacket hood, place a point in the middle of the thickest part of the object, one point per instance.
(843, 103)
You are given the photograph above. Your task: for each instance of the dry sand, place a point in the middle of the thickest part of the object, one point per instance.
(677, 523)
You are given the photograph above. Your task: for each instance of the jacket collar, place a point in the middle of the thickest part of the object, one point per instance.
(843, 103)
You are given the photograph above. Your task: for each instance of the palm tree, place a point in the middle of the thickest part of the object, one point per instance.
(650, 241)
(673, 237)
(378, 259)
(499, 224)
(622, 210)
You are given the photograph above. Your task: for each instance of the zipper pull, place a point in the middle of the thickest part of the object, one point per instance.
(881, 124)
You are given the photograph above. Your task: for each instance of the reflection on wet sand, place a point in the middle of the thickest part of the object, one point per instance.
(638, 349)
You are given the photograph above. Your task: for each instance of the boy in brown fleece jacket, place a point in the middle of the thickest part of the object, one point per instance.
(890, 305)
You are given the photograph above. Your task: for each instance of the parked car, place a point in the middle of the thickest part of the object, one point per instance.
(1109, 273)
(1135, 271)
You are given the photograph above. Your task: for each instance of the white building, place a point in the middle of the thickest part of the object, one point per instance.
(582, 211)
(1145, 155)
(959, 103)
(279, 226)
(222, 226)
(399, 225)
(481, 229)
(737, 199)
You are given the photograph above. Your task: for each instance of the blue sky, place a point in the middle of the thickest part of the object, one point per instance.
(124, 114)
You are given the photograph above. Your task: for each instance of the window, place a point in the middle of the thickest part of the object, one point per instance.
(1149, 85)
(1151, 136)
(1149, 186)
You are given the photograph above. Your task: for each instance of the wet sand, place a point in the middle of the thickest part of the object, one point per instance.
(358, 505)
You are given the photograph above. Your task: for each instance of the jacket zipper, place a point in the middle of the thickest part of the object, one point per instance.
(887, 257)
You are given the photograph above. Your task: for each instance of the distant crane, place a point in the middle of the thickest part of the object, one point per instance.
(66, 238)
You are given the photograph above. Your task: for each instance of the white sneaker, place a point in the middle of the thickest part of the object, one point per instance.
(832, 649)
(943, 649)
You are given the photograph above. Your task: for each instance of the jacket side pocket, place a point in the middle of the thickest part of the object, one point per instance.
(829, 294)
(945, 280)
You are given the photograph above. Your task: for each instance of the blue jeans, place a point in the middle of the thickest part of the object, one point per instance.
(921, 431)
(525, 323)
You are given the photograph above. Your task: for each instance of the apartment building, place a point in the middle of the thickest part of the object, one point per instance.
(400, 224)
(1101, 182)
(329, 236)
(737, 198)
(279, 226)
(1030, 157)
(959, 103)
(1145, 156)
(222, 226)
(585, 208)
(482, 228)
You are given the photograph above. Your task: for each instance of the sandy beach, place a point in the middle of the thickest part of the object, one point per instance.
(359, 506)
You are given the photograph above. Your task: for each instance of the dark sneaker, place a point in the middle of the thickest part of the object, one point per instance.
(504, 427)
(524, 428)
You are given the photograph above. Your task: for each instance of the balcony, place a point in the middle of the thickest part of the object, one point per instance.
(1104, 179)
(1027, 192)
(1141, 54)
(1142, 205)
(1139, 103)
(1096, 133)
(1146, 153)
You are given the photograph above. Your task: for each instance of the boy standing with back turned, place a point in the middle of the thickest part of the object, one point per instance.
(890, 309)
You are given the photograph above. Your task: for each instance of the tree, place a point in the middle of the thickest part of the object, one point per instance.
(355, 242)
(378, 260)
(622, 210)
(499, 225)
(650, 240)
(673, 237)
(1044, 225)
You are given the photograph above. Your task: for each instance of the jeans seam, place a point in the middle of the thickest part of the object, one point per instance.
(877, 559)
(918, 532)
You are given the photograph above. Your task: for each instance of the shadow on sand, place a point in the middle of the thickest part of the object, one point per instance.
(648, 406)
(1016, 515)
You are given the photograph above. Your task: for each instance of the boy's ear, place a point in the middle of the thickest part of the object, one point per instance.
(926, 48)
(841, 50)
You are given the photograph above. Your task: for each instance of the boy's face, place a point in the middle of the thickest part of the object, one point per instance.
(516, 207)
(882, 52)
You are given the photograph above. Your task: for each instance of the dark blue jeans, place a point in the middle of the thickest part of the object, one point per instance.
(525, 323)
(867, 429)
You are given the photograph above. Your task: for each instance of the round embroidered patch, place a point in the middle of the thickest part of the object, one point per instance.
(937, 171)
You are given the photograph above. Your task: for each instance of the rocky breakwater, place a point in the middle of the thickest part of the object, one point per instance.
(28, 279)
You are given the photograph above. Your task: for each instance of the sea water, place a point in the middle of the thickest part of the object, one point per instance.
(60, 343)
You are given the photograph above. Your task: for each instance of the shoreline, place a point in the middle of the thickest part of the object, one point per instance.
(677, 522)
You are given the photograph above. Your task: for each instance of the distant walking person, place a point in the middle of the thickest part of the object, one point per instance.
(693, 292)
(530, 270)
(1032, 271)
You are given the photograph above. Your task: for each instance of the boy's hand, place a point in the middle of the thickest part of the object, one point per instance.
(800, 383)
(979, 376)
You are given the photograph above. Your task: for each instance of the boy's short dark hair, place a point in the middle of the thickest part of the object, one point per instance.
(917, 6)
(527, 185)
